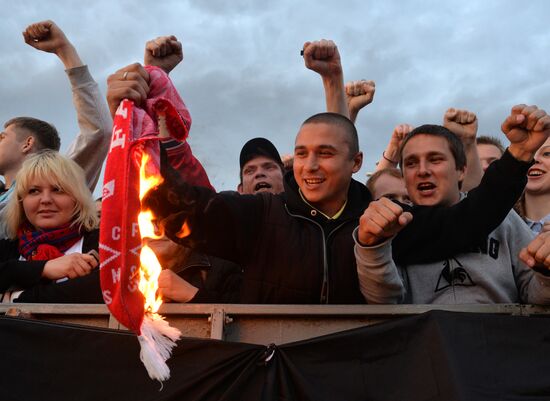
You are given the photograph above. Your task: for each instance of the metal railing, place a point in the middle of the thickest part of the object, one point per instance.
(258, 324)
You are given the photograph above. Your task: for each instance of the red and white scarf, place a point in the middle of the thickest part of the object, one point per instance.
(135, 131)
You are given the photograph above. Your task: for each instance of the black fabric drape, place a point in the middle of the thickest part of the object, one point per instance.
(434, 356)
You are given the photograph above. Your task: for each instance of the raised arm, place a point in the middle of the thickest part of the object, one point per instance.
(463, 124)
(48, 37)
(165, 52)
(322, 56)
(358, 95)
(439, 232)
(90, 146)
(390, 156)
(130, 82)
(527, 128)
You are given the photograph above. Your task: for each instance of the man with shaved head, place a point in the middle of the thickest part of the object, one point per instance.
(267, 234)
(296, 246)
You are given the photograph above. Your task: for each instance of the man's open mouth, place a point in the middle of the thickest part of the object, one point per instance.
(262, 186)
(425, 186)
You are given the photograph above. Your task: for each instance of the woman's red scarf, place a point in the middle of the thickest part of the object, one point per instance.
(46, 244)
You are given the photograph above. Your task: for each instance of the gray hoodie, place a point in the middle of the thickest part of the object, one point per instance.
(491, 273)
(91, 144)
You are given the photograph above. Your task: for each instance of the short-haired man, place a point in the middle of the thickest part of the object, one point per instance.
(433, 163)
(489, 149)
(270, 235)
(23, 136)
(388, 181)
(296, 247)
(463, 124)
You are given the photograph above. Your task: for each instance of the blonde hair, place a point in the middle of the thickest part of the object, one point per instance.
(391, 171)
(57, 170)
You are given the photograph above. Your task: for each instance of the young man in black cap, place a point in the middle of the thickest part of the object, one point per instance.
(261, 168)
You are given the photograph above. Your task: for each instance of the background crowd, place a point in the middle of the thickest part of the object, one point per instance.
(297, 230)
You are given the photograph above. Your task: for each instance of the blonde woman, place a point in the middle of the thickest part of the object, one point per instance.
(53, 235)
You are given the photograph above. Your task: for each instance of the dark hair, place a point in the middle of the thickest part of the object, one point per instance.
(45, 134)
(340, 121)
(490, 140)
(455, 145)
(391, 171)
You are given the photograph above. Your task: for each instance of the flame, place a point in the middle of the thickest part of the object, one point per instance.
(150, 267)
(148, 283)
(147, 182)
(185, 230)
(146, 227)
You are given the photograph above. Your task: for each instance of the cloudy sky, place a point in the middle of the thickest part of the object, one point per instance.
(243, 77)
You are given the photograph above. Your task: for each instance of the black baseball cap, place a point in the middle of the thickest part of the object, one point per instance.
(259, 147)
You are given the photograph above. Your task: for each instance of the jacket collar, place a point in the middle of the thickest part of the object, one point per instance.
(359, 198)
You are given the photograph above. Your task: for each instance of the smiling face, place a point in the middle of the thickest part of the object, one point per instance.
(323, 165)
(261, 174)
(47, 206)
(430, 171)
(538, 176)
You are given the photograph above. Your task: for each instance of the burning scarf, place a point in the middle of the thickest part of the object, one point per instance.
(135, 134)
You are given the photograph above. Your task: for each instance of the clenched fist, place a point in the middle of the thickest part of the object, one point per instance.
(527, 128)
(165, 52)
(358, 95)
(381, 220)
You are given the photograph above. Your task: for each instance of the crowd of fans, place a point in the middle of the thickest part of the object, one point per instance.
(448, 216)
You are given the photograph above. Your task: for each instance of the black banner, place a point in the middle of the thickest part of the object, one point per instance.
(434, 356)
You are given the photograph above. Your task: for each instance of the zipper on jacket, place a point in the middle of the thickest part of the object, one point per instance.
(325, 286)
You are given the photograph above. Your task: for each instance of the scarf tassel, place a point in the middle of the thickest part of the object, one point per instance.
(157, 340)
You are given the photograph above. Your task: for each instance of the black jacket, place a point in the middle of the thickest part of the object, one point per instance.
(218, 280)
(287, 254)
(440, 232)
(27, 275)
(292, 254)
